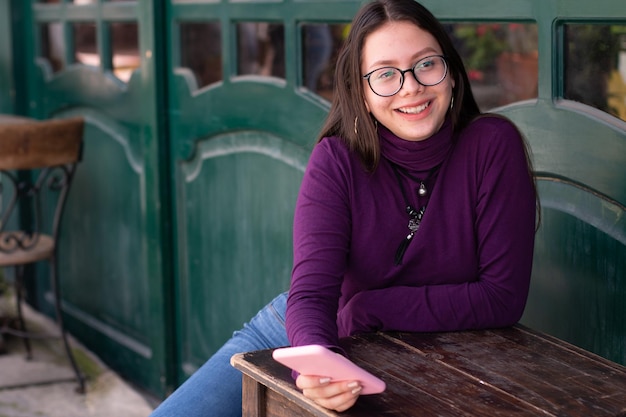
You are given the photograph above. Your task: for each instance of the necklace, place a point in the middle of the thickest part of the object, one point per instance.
(415, 216)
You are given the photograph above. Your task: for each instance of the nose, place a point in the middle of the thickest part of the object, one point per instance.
(410, 83)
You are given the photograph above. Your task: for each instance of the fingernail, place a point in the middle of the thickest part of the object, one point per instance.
(353, 384)
(356, 390)
(324, 380)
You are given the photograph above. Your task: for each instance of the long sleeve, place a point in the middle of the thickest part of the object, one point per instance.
(504, 222)
(468, 265)
(321, 246)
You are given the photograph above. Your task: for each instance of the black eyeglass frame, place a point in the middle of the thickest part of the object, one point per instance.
(411, 70)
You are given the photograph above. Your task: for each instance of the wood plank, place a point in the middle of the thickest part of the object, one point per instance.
(502, 372)
(417, 382)
(417, 385)
(40, 143)
(277, 378)
(543, 372)
(253, 397)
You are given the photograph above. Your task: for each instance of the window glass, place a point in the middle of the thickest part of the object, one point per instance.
(85, 44)
(321, 43)
(52, 46)
(595, 66)
(125, 49)
(201, 51)
(261, 49)
(500, 59)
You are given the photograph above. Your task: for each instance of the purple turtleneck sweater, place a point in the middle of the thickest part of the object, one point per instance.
(468, 265)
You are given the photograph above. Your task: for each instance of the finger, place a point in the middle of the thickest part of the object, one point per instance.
(337, 396)
(311, 381)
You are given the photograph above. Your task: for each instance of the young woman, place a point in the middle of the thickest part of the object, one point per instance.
(416, 213)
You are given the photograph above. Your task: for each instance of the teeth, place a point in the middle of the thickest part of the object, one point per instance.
(415, 110)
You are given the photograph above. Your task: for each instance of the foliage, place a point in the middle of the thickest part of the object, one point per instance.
(481, 44)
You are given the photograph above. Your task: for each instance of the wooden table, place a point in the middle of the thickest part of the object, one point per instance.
(505, 372)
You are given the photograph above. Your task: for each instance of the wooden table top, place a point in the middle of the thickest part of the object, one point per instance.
(502, 372)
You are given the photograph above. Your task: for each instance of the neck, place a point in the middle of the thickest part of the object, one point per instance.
(417, 157)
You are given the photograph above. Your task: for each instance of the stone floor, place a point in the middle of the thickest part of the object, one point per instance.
(45, 385)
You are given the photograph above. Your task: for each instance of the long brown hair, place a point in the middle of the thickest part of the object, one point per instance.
(348, 117)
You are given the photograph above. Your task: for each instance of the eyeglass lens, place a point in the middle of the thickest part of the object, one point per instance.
(387, 81)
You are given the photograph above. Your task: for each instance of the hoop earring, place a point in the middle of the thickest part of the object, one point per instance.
(356, 120)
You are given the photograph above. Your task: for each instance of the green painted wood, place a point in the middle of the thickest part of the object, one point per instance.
(115, 244)
(560, 134)
(576, 142)
(238, 169)
(7, 80)
(579, 279)
(579, 275)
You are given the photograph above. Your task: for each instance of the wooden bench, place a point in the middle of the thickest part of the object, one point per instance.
(504, 372)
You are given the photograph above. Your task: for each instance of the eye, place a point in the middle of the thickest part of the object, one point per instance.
(385, 74)
(426, 64)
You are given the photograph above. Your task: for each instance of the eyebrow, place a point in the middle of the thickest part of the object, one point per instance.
(385, 63)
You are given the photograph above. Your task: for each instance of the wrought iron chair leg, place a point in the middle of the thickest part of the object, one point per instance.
(19, 296)
(57, 307)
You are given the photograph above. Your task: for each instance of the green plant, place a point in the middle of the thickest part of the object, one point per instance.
(481, 43)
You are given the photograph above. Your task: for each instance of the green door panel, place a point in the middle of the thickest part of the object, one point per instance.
(7, 81)
(578, 285)
(236, 201)
(238, 169)
(108, 254)
(269, 104)
(578, 289)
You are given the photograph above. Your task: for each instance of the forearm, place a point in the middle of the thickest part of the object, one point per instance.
(448, 307)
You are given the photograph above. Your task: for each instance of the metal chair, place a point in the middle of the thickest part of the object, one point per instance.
(37, 164)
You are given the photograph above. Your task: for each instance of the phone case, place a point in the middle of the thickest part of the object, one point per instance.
(318, 360)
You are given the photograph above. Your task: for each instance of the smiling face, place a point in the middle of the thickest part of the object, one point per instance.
(416, 112)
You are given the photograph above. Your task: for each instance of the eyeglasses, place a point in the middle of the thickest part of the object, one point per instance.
(387, 81)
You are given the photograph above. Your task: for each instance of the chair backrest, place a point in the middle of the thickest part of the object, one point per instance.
(37, 164)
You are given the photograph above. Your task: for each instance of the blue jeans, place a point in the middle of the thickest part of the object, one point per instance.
(215, 388)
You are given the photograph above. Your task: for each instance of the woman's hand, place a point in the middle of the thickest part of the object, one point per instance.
(338, 396)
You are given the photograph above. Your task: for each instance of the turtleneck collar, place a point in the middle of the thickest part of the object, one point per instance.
(420, 155)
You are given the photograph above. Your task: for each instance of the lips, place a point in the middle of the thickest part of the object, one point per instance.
(414, 110)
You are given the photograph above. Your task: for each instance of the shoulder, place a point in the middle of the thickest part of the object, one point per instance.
(492, 143)
(491, 126)
(332, 144)
(332, 150)
(492, 133)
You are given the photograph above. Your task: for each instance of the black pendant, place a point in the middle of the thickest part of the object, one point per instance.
(415, 218)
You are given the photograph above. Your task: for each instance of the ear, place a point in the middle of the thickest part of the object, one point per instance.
(367, 106)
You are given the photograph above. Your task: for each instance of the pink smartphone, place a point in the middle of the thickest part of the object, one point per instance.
(320, 361)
